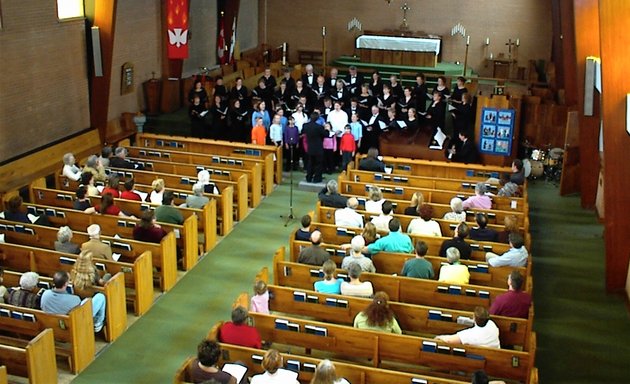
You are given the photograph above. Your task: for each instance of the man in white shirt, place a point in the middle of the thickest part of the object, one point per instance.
(484, 333)
(381, 222)
(348, 216)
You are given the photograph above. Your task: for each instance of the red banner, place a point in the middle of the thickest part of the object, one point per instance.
(177, 26)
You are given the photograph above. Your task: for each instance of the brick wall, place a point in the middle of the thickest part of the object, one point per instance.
(43, 87)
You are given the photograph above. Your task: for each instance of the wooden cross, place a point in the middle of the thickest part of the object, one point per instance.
(404, 24)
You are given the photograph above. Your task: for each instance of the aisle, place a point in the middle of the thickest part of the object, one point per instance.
(154, 347)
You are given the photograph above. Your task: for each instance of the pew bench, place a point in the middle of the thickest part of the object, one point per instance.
(33, 359)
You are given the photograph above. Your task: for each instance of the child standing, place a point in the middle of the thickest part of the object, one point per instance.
(347, 147)
(275, 131)
(357, 128)
(259, 134)
(291, 139)
(260, 301)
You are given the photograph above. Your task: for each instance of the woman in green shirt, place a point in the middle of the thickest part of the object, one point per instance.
(378, 316)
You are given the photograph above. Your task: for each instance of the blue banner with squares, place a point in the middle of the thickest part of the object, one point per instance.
(497, 130)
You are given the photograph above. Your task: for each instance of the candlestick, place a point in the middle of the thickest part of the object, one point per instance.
(468, 40)
(323, 31)
(487, 41)
(518, 42)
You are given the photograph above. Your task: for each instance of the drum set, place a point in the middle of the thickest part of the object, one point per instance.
(545, 164)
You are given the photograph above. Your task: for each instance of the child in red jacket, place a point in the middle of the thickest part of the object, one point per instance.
(347, 147)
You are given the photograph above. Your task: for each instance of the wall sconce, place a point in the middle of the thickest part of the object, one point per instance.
(70, 9)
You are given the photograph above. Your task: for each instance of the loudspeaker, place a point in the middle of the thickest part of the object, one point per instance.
(96, 51)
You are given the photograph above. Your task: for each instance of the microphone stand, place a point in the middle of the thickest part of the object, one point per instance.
(289, 218)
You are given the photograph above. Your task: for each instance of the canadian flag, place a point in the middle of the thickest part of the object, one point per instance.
(177, 27)
(232, 42)
(221, 46)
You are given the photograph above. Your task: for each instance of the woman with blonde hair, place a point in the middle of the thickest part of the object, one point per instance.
(84, 275)
(378, 316)
(510, 225)
(274, 373)
(330, 284)
(417, 199)
(326, 374)
(369, 233)
(375, 201)
(457, 211)
(158, 191)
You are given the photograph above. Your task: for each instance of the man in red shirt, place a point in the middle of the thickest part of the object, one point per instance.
(239, 333)
(513, 303)
(128, 193)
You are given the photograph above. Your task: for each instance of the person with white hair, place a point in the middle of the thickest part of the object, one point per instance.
(70, 170)
(454, 272)
(197, 199)
(25, 295)
(329, 195)
(99, 249)
(457, 211)
(203, 177)
(94, 166)
(63, 243)
(157, 193)
(480, 199)
(309, 77)
(348, 216)
(356, 256)
(325, 374)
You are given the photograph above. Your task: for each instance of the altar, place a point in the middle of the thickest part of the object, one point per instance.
(399, 47)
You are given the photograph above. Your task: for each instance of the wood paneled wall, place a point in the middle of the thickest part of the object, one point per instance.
(615, 40)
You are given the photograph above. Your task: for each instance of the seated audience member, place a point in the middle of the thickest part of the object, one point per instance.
(417, 199)
(157, 194)
(81, 203)
(480, 377)
(274, 373)
(515, 302)
(203, 368)
(464, 150)
(425, 225)
(516, 256)
(63, 243)
(168, 212)
(375, 200)
(357, 245)
(457, 211)
(147, 229)
(58, 300)
(304, 233)
(330, 284)
(26, 294)
(106, 207)
(482, 233)
(371, 162)
(106, 155)
(94, 166)
(113, 184)
(203, 177)
(330, 197)
(88, 182)
(120, 160)
(13, 211)
(378, 316)
(260, 300)
(461, 232)
(70, 170)
(381, 222)
(314, 255)
(325, 373)
(484, 333)
(509, 189)
(369, 233)
(238, 332)
(348, 216)
(518, 172)
(395, 241)
(479, 199)
(128, 193)
(418, 267)
(84, 274)
(454, 272)
(4, 293)
(98, 249)
(510, 224)
(356, 287)
(197, 200)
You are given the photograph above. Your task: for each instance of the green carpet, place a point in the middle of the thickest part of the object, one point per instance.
(583, 334)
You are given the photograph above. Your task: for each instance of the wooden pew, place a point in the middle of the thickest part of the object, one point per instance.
(34, 359)
(226, 162)
(215, 147)
(354, 373)
(206, 217)
(380, 346)
(413, 319)
(138, 276)
(113, 290)
(74, 332)
(164, 254)
(392, 263)
(339, 235)
(403, 289)
(186, 234)
(347, 187)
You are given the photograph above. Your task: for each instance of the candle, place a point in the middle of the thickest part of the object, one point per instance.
(323, 31)
(487, 41)
(518, 42)
(468, 40)
(491, 56)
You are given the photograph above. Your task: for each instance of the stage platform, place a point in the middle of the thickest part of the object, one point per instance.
(446, 69)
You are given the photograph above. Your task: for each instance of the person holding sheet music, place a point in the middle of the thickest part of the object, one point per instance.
(240, 92)
(484, 333)
(463, 115)
(332, 80)
(300, 91)
(340, 93)
(411, 121)
(420, 92)
(286, 77)
(238, 121)
(262, 93)
(282, 97)
(378, 316)
(436, 113)
(376, 85)
(204, 368)
(321, 90)
(270, 80)
(197, 112)
(354, 81)
(441, 87)
(404, 103)
(198, 91)
(459, 90)
(13, 212)
(219, 112)
(395, 87)
(274, 373)
(219, 89)
(98, 249)
(387, 100)
(309, 78)
(238, 332)
(26, 294)
(372, 130)
(366, 101)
